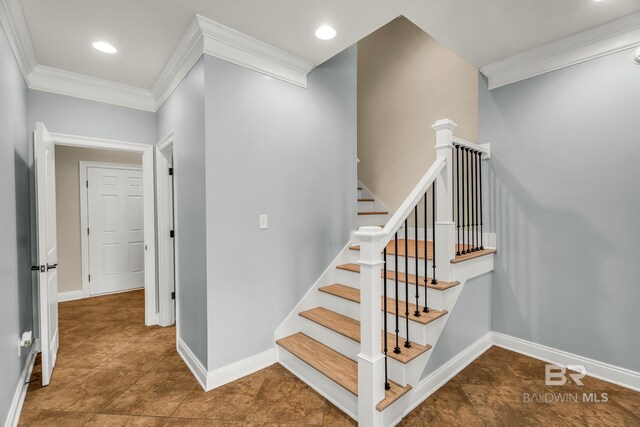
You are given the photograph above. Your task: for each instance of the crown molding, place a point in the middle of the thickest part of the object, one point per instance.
(205, 36)
(183, 58)
(238, 48)
(15, 25)
(62, 82)
(614, 36)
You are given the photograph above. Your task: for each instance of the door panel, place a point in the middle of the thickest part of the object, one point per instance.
(44, 162)
(116, 227)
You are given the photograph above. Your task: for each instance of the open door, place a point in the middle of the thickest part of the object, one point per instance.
(44, 160)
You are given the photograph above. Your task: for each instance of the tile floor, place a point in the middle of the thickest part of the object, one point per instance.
(114, 371)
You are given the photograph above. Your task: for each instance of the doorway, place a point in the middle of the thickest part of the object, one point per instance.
(44, 161)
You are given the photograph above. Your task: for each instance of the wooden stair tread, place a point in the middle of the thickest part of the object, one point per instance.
(373, 213)
(359, 188)
(335, 366)
(353, 294)
(472, 255)
(391, 275)
(391, 248)
(350, 328)
(366, 200)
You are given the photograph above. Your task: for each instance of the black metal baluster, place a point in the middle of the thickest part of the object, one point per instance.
(387, 386)
(457, 197)
(415, 236)
(477, 201)
(396, 350)
(468, 201)
(462, 197)
(473, 200)
(426, 251)
(407, 343)
(481, 205)
(433, 227)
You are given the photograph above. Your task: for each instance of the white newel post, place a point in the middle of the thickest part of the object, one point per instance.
(370, 358)
(445, 232)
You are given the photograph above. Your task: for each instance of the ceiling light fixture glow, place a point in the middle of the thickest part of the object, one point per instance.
(105, 47)
(635, 56)
(325, 32)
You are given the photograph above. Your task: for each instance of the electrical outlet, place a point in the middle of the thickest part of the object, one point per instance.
(264, 223)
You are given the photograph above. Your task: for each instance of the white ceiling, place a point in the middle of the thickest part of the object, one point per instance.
(147, 31)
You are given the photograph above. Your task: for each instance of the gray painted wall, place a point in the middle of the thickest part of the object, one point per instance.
(75, 116)
(15, 275)
(566, 206)
(183, 114)
(278, 149)
(469, 320)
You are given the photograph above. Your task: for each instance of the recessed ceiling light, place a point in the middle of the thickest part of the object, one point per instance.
(105, 47)
(636, 56)
(325, 32)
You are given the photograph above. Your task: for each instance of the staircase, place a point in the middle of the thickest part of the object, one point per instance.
(362, 336)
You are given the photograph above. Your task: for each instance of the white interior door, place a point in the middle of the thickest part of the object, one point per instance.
(116, 230)
(44, 160)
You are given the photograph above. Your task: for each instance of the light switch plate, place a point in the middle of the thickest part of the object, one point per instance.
(264, 223)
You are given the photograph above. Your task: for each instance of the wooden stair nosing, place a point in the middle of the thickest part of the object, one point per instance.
(366, 200)
(391, 275)
(350, 328)
(373, 213)
(335, 366)
(472, 255)
(353, 295)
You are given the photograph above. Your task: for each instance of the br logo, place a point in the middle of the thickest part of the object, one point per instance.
(557, 374)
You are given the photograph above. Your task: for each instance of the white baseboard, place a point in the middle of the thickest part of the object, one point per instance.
(600, 370)
(21, 390)
(221, 376)
(70, 296)
(193, 363)
(239, 369)
(429, 385)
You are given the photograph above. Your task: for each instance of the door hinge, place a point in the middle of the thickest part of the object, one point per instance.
(172, 234)
(89, 277)
(170, 171)
(173, 295)
(87, 230)
(87, 183)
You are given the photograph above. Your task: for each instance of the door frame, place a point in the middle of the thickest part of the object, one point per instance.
(148, 195)
(166, 315)
(84, 215)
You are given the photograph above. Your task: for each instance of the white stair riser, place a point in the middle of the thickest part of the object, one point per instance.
(394, 413)
(365, 206)
(422, 334)
(437, 299)
(360, 194)
(354, 257)
(335, 393)
(397, 371)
